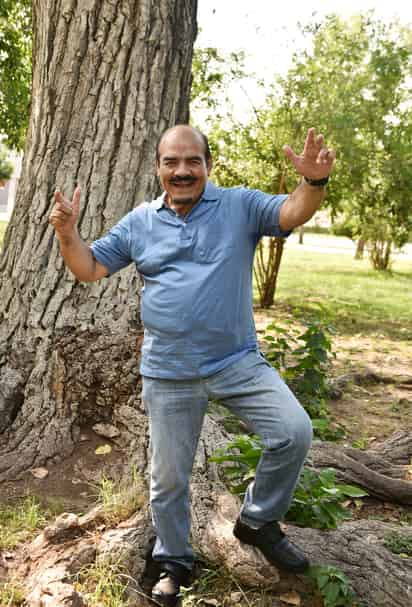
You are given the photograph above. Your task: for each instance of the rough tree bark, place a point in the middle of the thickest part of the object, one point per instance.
(108, 77)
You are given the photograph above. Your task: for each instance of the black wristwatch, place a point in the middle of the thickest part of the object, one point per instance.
(317, 182)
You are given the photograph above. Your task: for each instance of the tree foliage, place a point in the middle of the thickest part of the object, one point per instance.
(6, 167)
(355, 85)
(15, 70)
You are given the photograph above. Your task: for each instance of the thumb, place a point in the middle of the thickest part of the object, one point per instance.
(76, 200)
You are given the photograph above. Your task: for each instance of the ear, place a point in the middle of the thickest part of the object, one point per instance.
(157, 168)
(209, 165)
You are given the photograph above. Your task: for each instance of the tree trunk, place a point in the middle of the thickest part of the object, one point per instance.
(383, 471)
(266, 268)
(360, 248)
(301, 233)
(380, 254)
(108, 78)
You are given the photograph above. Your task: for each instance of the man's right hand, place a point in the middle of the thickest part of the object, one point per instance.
(65, 214)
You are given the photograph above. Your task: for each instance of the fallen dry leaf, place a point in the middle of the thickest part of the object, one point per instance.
(103, 450)
(235, 597)
(291, 598)
(39, 472)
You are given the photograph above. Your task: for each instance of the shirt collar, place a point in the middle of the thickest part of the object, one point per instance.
(210, 194)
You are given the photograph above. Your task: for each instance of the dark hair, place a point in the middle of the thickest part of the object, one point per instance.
(205, 141)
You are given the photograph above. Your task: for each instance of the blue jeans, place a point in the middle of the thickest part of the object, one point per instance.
(251, 389)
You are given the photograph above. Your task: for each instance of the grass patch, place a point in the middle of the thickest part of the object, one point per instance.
(355, 298)
(18, 523)
(11, 594)
(104, 583)
(120, 499)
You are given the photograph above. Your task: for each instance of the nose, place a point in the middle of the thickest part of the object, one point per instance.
(182, 169)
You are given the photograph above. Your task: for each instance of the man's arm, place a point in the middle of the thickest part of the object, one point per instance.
(76, 253)
(315, 163)
(301, 205)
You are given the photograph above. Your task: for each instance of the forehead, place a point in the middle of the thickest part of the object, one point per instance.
(182, 142)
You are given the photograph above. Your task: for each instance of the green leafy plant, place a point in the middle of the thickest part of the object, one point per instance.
(318, 499)
(303, 360)
(240, 458)
(333, 586)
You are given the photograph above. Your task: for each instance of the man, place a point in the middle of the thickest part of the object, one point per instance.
(194, 248)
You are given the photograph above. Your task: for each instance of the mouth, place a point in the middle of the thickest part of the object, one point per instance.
(183, 184)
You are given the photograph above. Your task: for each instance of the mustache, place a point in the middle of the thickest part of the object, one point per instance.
(186, 179)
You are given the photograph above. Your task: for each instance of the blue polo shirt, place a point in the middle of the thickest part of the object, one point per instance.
(196, 303)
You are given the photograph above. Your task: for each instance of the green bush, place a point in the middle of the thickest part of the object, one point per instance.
(303, 360)
(318, 499)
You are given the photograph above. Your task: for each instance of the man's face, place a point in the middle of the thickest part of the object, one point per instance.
(182, 168)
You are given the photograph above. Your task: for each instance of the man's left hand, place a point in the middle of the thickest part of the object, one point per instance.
(316, 160)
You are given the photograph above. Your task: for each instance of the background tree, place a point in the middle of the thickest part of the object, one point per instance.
(6, 167)
(251, 155)
(355, 84)
(15, 70)
(108, 78)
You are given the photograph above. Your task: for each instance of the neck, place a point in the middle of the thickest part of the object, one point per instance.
(181, 208)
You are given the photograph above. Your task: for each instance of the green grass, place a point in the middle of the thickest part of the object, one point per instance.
(104, 583)
(19, 522)
(355, 298)
(11, 594)
(120, 499)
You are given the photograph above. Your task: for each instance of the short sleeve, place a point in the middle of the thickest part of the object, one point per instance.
(113, 249)
(263, 212)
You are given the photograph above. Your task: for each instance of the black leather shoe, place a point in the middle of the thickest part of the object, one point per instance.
(151, 570)
(273, 544)
(167, 590)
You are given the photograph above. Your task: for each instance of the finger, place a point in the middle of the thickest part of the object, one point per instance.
(319, 140)
(58, 197)
(63, 208)
(58, 217)
(289, 153)
(332, 155)
(323, 154)
(76, 200)
(310, 141)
